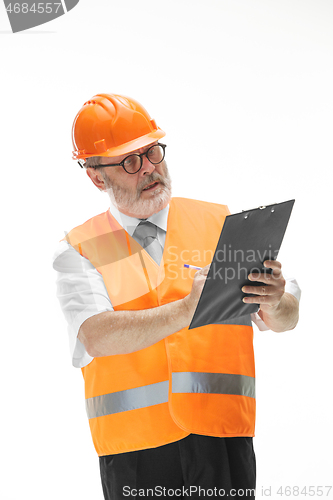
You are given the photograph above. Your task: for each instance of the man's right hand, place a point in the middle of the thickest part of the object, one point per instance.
(192, 299)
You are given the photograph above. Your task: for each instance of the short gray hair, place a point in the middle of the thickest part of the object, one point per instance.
(92, 162)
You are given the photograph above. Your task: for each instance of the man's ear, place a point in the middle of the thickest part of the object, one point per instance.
(96, 178)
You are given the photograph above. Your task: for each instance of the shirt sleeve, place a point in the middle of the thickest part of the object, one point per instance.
(291, 287)
(81, 293)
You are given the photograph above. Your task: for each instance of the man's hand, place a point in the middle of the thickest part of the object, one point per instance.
(278, 309)
(270, 294)
(192, 299)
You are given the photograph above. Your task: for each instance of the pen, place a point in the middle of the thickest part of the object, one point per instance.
(192, 267)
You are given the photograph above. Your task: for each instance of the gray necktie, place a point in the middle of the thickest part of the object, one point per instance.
(146, 235)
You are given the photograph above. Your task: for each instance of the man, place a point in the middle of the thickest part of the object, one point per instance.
(171, 411)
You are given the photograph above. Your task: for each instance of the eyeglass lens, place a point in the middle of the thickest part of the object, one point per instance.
(133, 163)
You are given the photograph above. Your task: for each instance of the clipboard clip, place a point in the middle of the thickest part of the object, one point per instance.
(262, 207)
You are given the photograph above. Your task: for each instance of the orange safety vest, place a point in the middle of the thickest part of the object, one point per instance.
(194, 381)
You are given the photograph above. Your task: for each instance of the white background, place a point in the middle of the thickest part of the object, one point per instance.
(244, 90)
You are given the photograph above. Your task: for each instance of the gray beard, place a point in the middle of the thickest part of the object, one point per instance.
(133, 203)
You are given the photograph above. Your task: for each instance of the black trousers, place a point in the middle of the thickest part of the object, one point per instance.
(194, 467)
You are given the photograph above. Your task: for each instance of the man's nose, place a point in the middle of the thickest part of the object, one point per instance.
(147, 166)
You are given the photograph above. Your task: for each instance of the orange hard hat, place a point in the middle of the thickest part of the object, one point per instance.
(112, 125)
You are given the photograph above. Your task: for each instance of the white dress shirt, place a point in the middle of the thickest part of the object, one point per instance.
(81, 290)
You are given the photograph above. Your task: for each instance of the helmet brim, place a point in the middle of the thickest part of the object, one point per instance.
(128, 147)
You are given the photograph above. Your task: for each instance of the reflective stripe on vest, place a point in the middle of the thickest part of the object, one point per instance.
(182, 382)
(131, 399)
(213, 383)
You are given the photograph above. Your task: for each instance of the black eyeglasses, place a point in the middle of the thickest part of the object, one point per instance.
(133, 163)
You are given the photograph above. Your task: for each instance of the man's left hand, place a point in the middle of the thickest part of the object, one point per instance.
(278, 309)
(270, 294)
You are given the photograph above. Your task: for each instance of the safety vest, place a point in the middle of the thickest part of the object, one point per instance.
(194, 381)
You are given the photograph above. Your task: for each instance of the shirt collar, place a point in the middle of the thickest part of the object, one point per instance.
(160, 219)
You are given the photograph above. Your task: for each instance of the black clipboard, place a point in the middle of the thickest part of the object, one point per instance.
(247, 239)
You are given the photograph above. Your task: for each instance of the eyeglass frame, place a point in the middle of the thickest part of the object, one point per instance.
(141, 155)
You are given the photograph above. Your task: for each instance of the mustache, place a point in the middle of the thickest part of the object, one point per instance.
(152, 178)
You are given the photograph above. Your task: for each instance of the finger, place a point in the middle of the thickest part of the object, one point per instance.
(277, 274)
(274, 278)
(259, 290)
(273, 264)
(265, 277)
(199, 276)
(270, 300)
(204, 270)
